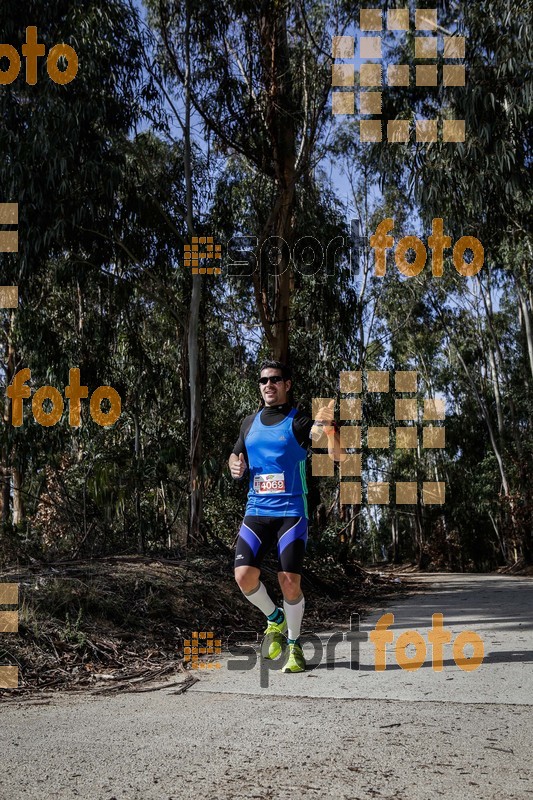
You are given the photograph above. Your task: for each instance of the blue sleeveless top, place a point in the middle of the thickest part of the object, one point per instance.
(276, 461)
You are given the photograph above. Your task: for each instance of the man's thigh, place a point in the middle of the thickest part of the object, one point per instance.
(257, 536)
(292, 542)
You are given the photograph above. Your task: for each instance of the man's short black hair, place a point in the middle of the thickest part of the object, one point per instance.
(286, 372)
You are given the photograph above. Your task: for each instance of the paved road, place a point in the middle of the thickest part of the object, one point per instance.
(340, 733)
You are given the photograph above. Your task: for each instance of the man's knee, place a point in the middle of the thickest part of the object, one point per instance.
(247, 578)
(290, 584)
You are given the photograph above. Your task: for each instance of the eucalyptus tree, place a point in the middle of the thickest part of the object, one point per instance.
(480, 188)
(63, 155)
(258, 78)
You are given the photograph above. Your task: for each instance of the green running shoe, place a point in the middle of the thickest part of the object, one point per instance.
(295, 661)
(272, 644)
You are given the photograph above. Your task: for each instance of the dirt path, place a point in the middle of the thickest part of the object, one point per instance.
(341, 732)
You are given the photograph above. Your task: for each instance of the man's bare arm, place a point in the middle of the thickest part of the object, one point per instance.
(324, 420)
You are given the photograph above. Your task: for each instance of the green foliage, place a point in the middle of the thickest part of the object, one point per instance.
(71, 632)
(97, 168)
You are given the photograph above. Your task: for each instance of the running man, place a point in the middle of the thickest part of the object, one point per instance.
(273, 445)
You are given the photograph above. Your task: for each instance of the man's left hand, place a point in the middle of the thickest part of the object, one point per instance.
(325, 416)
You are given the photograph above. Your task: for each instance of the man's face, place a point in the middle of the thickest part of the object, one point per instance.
(274, 394)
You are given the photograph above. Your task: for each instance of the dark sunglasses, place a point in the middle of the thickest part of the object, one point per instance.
(272, 378)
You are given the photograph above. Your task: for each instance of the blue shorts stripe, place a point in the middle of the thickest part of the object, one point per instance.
(298, 531)
(252, 539)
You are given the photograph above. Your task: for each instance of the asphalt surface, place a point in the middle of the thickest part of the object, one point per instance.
(333, 731)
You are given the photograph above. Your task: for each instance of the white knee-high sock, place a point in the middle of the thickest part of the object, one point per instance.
(260, 598)
(294, 612)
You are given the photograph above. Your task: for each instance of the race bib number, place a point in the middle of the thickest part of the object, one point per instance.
(269, 484)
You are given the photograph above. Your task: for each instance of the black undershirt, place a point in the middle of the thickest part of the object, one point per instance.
(272, 415)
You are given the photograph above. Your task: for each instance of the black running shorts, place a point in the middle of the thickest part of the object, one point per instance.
(259, 534)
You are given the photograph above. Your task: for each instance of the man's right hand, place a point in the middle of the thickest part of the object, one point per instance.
(237, 466)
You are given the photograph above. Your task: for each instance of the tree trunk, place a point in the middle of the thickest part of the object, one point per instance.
(394, 531)
(6, 455)
(195, 503)
(18, 502)
(419, 532)
(195, 387)
(496, 390)
(495, 448)
(526, 317)
(280, 120)
(140, 527)
(499, 371)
